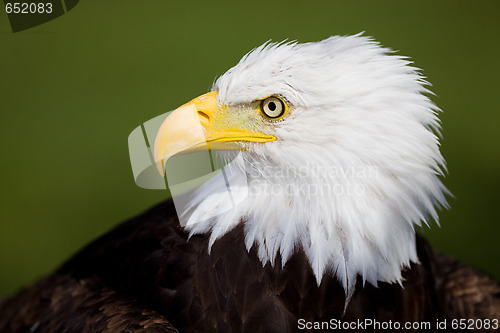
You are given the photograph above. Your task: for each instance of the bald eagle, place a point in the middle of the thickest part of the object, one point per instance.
(332, 161)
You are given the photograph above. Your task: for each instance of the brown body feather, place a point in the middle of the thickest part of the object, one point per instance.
(146, 276)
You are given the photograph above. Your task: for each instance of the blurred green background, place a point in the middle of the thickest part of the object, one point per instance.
(73, 89)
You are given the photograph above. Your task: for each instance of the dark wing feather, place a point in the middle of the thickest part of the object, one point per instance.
(60, 303)
(465, 292)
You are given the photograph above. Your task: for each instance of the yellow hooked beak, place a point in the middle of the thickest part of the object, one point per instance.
(199, 125)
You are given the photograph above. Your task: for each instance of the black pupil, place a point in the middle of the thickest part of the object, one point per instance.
(272, 106)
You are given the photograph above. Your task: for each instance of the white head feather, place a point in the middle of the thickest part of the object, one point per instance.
(355, 165)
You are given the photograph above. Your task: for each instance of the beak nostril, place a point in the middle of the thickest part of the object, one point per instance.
(203, 117)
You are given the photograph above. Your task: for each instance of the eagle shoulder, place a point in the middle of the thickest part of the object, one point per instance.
(60, 303)
(464, 291)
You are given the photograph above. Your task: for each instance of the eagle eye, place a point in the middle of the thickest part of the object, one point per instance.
(273, 107)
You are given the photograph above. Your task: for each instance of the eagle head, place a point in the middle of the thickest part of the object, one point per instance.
(337, 155)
